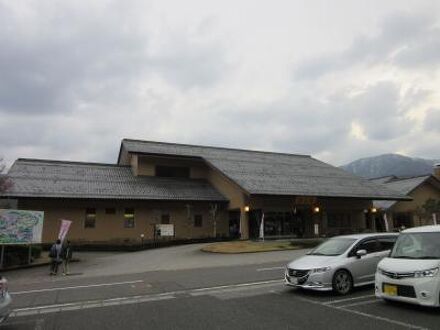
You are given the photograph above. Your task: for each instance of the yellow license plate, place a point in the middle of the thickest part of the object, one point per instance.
(390, 290)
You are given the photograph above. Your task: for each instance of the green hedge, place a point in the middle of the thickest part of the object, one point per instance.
(136, 246)
(19, 254)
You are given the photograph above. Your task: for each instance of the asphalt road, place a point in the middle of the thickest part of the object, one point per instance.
(250, 296)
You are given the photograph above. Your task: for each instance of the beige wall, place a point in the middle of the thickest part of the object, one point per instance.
(420, 195)
(146, 165)
(238, 199)
(110, 227)
(436, 171)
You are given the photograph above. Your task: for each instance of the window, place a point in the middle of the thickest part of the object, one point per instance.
(387, 243)
(333, 247)
(90, 219)
(111, 210)
(339, 220)
(172, 171)
(165, 219)
(198, 220)
(402, 219)
(371, 246)
(129, 218)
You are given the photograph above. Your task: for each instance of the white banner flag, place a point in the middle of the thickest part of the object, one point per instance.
(262, 227)
(64, 229)
(385, 219)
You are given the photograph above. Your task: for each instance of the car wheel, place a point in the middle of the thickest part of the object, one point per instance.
(342, 282)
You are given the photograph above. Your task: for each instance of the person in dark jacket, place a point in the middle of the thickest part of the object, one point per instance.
(67, 257)
(55, 254)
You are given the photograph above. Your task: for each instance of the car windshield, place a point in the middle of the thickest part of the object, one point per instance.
(332, 247)
(417, 246)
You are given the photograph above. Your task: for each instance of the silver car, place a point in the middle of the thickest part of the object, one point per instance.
(340, 263)
(5, 299)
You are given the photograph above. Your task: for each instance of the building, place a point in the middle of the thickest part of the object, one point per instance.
(421, 189)
(202, 191)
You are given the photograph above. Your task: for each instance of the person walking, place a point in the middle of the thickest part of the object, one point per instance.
(55, 254)
(67, 257)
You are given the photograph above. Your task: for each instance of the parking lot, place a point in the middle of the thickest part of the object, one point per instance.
(258, 305)
(364, 304)
(230, 292)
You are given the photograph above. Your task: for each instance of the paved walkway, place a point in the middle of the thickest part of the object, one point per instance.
(95, 264)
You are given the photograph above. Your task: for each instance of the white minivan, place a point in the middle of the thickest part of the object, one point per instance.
(411, 272)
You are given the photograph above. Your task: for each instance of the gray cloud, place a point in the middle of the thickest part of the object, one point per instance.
(377, 111)
(405, 39)
(306, 125)
(70, 56)
(77, 79)
(432, 120)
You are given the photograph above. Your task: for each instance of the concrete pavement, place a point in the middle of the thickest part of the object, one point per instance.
(183, 288)
(98, 264)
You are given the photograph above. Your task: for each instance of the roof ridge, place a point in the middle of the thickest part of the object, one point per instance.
(411, 177)
(382, 177)
(215, 147)
(68, 162)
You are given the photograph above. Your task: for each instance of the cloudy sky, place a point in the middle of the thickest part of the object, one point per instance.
(336, 79)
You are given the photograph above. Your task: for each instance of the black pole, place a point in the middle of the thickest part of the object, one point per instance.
(2, 255)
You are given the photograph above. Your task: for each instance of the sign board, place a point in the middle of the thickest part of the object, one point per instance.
(305, 200)
(20, 226)
(165, 229)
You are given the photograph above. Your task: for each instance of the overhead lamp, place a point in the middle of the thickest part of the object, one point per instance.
(247, 208)
(316, 209)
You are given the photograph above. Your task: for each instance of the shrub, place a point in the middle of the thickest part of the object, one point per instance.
(19, 254)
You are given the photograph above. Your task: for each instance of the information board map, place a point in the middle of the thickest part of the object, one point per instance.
(20, 227)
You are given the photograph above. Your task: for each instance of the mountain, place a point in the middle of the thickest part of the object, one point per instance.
(390, 164)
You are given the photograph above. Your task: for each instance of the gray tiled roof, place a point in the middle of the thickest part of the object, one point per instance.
(402, 185)
(270, 173)
(42, 178)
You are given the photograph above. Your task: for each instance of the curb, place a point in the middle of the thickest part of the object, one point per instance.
(243, 252)
(34, 265)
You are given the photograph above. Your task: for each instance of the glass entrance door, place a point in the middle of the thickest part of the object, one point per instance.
(279, 224)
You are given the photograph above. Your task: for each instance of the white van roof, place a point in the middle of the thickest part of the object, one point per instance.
(423, 229)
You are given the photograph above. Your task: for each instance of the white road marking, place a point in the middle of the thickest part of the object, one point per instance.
(132, 299)
(348, 299)
(371, 316)
(381, 318)
(75, 287)
(85, 305)
(270, 268)
(360, 303)
(237, 285)
(227, 289)
(38, 310)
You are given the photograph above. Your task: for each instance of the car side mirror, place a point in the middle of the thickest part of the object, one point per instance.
(361, 253)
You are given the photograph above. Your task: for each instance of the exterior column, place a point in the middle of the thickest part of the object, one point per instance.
(372, 219)
(317, 221)
(391, 220)
(324, 222)
(244, 224)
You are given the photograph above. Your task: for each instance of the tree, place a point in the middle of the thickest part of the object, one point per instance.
(5, 183)
(431, 206)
